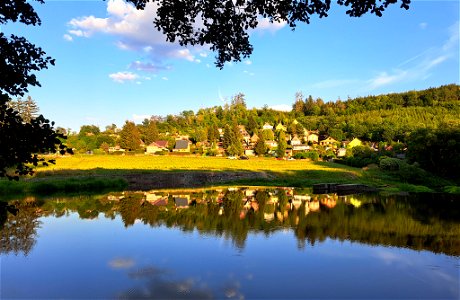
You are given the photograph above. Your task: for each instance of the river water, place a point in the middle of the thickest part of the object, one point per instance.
(235, 243)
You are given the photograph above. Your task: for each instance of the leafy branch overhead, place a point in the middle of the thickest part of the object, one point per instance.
(224, 24)
(22, 139)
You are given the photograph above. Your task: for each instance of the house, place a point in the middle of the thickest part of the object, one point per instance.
(156, 147)
(354, 142)
(271, 144)
(300, 148)
(182, 146)
(328, 142)
(295, 141)
(310, 136)
(249, 152)
(280, 127)
(254, 138)
(117, 148)
(267, 126)
(341, 152)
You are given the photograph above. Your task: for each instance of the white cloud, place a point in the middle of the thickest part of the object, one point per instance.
(67, 37)
(266, 25)
(423, 25)
(133, 29)
(203, 54)
(281, 107)
(122, 77)
(165, 78)
(249, 73)
(247, 62)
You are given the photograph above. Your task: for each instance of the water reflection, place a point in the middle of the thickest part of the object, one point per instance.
(420, 223)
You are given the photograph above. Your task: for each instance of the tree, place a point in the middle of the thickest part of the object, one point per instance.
(282, 144)
(21, 142)
(130, 138)
(260, 148)
(151, 133)
(225, 25)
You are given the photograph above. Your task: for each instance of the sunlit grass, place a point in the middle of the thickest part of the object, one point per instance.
(182, 163)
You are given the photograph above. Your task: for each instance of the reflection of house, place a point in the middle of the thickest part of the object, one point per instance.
(313, 205)
(296, 203)
(329, 202)
(302, 197)
(182, 146)
(181, 201)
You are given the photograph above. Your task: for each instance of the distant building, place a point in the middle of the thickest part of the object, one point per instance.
(182, 146)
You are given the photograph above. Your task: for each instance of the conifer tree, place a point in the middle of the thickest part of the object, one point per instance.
(151, 133)
(130, 138)
(282, 145)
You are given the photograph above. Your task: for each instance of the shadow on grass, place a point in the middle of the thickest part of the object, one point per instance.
(71, 181)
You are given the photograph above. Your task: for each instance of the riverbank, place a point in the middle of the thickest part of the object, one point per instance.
(92, 172)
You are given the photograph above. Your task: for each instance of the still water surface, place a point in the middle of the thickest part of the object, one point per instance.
(237, 243)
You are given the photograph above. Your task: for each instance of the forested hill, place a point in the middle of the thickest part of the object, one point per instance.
(446, 96)
(383, 117)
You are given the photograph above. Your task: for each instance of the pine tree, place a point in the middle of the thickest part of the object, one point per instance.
(151, 133)
(282, 145)
(130, 138)
(30, 110)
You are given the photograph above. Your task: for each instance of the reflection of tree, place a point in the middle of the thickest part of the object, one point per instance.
(19, 231)
(416, 223)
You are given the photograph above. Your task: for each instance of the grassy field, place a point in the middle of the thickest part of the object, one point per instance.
(263, 171)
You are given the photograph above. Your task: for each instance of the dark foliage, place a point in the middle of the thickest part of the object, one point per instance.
(21, 141)
(224, 25)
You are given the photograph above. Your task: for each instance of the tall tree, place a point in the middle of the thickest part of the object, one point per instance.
(130, 137)
(151, 133)
(282, 144)
(30, 110)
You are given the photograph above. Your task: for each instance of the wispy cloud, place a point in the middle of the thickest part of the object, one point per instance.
(67, 37)
(248, 73)
(148, 66)
(122, 77)
(416, 68)
(420, 66)
(423, 25)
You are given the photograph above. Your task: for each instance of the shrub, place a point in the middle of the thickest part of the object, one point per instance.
(389, 164)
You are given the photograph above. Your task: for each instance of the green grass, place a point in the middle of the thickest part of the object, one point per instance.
(94, 172)
(62, 185)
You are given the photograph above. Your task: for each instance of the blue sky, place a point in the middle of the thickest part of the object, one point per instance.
(112, 65)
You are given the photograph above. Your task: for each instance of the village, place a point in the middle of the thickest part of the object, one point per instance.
(308, 140)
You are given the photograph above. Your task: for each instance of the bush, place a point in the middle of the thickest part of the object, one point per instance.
(389, 164)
